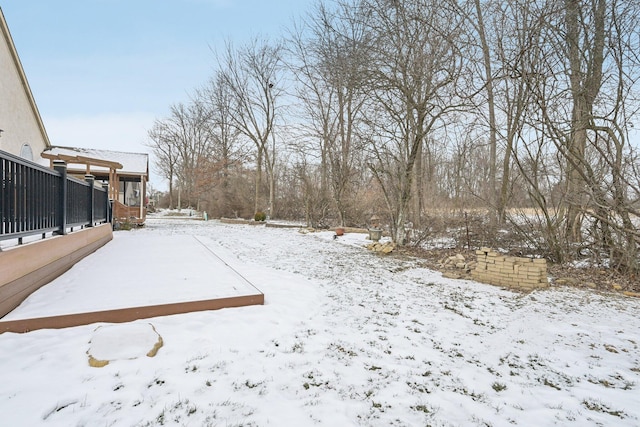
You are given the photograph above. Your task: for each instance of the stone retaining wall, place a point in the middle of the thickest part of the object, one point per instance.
(513, 272)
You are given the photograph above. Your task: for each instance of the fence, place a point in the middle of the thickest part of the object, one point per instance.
(37, 200)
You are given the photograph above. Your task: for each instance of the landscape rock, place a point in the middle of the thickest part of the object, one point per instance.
(385, 248)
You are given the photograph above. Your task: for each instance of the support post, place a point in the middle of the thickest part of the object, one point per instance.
(107, 216)
(143, 193)
(91, 214)
(60, 166)
(111, 214)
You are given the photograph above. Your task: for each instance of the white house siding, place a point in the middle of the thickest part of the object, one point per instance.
(19, 117)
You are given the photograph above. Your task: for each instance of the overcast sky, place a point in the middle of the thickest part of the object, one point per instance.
(102, 70)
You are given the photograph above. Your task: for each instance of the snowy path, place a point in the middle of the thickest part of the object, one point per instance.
(346, 337)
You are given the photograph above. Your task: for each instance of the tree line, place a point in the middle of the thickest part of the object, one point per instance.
(520, 112)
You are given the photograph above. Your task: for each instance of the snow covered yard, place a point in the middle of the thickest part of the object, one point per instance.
(345, 337)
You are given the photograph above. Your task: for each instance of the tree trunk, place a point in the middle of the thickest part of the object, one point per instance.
(258, 181)
(399, 232)
(504, 187)
(171, 192)
(272, 195)
(418, 191)
(492, 196)
(585, 81)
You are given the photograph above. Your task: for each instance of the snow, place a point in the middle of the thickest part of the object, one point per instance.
(12, 243)
(123, 341)
(132, 163)
(346, 337)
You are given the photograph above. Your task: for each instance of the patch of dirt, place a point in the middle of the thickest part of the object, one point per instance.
(597, 279)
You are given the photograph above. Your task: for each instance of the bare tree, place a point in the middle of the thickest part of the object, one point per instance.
(226, 149)
(584, 37)
(165, 153)
(581, 75)
(331, 52)
(251, 73)
(179, 142)
(474, 12)
(415, 71)
(188, 123)
(609, 171)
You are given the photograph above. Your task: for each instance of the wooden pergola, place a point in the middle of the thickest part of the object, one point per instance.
(109, 166)
(88, 162)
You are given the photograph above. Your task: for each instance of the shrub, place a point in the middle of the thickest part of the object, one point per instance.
(260, 216)
(122, 225)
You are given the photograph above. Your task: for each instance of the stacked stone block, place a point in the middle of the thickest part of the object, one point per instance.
(385, 248)
(512, 272)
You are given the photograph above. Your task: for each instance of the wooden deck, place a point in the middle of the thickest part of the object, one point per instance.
(186, 277)
(131, 214)
(26, 268)
(127, 314)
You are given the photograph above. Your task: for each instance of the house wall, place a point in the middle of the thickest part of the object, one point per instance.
(19, 116)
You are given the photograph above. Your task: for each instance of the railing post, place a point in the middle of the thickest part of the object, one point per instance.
(60, 166)
(90, 180)
(107, 215)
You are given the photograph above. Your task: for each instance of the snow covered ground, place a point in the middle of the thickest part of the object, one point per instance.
(345, 338)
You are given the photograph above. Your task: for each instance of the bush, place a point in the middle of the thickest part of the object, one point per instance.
(260, 216)
(122, 225)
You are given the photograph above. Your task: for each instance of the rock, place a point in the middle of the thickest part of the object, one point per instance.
(384, 248)
(452, 275)
(122, 342)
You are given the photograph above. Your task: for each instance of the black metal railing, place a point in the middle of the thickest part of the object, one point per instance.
(36, 200)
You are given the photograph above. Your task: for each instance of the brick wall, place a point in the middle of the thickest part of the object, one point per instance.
(512, 272)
